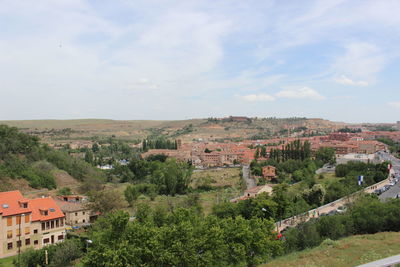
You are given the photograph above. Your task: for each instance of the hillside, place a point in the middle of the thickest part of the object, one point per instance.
(186, 130)
(25, 164)
(350, 251)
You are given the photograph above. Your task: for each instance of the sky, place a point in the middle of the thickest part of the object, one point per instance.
(164, 60)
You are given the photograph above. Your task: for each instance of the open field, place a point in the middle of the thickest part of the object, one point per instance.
(187, 130)
(220, 177)
(350, 251)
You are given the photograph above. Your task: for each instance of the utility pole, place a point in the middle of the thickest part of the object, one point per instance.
(19, 239)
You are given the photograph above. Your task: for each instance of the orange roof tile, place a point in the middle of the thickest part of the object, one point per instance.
(48, 204)
(9, 203)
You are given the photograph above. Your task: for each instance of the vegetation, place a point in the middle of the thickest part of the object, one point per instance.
(61, 254)
(296, 150)
(350, 251)
(21, 156)
(158, 144)
(394, 147)
(349, 130)
(181, 238)
(170, 177)
(367, 216)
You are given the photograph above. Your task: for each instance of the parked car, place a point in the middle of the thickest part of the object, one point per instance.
(341, 209)
(378, 191)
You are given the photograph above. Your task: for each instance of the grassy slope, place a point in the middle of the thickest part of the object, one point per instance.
(351, 251)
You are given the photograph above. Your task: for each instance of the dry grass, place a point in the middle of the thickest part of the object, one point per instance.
(220, 177)
(351, 251)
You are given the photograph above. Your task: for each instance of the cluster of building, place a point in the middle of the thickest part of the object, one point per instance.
(34, 223)
(212, 154)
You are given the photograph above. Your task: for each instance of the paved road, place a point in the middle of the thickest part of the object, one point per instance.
(386, 262)
(250, 183)
(394, 190)
(291, 222)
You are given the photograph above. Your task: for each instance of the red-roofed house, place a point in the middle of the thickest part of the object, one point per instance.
(28, 223)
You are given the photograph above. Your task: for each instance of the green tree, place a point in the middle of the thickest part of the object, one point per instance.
(326, 155)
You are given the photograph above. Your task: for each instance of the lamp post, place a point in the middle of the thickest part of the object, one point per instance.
(19, 239)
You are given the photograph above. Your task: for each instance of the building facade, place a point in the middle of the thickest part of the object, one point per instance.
(28, 223)
(75, 210)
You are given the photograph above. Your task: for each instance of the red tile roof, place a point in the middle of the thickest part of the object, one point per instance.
(9, 203)
(43, 204)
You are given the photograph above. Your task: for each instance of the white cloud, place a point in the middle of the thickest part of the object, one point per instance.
(347, 81)
(395, 104)
(361, 60)
(300, 93)
(257, 98)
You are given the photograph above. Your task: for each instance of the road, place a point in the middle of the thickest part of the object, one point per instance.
(250, 183)
(315, 213)
(394, 190)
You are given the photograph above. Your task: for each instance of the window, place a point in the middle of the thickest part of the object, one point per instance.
(76, 214)
(57, 223)
(60, 237)
(83, 220)
(36, 242)
(46, 240)
(45, 213)
(83, 212)
(9, 245)
(18, 219)
(27, 242)
(62, 222)
(52, 224)
(76, 221)
(18, 243)
(9, 234)
(18, 232)
(35, 231)
(24, 205)
(27, 218)
(9, 221)
(47, 225)
(43, 226)
(27, 230)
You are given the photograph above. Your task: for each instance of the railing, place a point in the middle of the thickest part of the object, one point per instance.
(305, 216)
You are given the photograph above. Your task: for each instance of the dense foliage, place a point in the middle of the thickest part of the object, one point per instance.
(296, 150)
(367, 216)
(61, 254)
(170, 176)
(181, 238)
(21, 156)
(158, 144)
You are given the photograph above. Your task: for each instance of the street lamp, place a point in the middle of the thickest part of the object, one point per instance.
(88, 242)
(265, 210)
(19, 238)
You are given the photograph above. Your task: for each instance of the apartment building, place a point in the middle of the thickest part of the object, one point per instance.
(28, 223)
(75, 210)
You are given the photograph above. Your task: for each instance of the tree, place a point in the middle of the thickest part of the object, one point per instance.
(131, 194)
(326, 155)
(65, 191)
(89, 157)
(105, 201)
